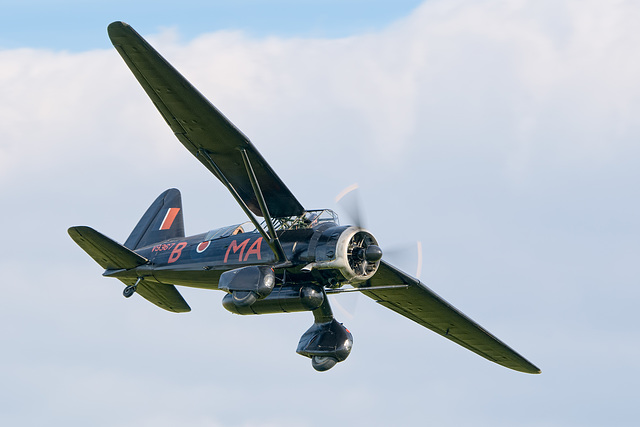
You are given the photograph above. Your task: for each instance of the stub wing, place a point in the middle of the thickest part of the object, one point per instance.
(423, 306)
(200, 127)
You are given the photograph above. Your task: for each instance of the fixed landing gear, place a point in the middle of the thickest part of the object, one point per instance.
(326, 344)
(323, 363)
(327, 341)
(131, 289)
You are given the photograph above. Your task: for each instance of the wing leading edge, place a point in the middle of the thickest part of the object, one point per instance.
(420, 304)
(201, 127)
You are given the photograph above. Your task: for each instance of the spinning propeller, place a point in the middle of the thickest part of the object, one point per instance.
(364, 252)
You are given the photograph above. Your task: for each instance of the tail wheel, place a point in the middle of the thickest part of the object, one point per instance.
(128, 291)
(131, 289)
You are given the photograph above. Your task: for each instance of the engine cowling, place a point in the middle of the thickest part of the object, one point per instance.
(351, 251)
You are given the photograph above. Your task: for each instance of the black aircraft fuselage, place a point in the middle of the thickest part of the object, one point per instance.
(198, 261)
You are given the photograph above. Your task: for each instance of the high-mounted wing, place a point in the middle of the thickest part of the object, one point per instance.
(201, 128)
(423, 306)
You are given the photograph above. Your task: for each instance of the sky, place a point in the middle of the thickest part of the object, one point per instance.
(503, 135)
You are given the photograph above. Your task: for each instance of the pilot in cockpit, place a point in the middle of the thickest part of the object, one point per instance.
(311, 219)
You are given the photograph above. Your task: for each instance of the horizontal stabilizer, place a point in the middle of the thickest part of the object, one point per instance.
(110, 254)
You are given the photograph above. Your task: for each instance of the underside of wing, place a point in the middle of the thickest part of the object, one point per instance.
(201, 128)
(162, 295)
(420, 304)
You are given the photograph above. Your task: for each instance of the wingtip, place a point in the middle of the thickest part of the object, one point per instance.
(117, 24)
(76, 230)
(117, 28)
(534, 370)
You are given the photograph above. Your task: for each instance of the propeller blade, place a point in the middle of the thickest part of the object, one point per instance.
(404, 257)
(419, 268)
(346, 304)
(350, 203)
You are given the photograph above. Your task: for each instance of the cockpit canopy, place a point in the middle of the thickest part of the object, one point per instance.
(227, 231)
(309, 219)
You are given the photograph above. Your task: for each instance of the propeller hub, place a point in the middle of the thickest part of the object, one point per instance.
(373, 253)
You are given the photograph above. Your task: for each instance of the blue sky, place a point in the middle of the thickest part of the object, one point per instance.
(503, 135)
(79, 25)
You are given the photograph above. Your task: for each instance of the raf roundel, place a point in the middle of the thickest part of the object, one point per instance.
(203, 246)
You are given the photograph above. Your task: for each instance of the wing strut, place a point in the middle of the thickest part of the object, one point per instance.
(272, 240)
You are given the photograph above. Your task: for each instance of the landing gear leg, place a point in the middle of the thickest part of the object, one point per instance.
(327, 341)
(131, 289)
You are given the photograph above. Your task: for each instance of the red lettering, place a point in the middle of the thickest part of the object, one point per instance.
(254, 249)
(177, 251)
(235, 247)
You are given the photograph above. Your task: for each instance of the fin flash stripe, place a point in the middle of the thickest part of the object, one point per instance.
(168, 218)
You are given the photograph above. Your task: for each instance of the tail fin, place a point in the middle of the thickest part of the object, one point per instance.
(163, 220)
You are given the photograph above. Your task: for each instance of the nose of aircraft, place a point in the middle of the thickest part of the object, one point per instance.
(373, 253)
